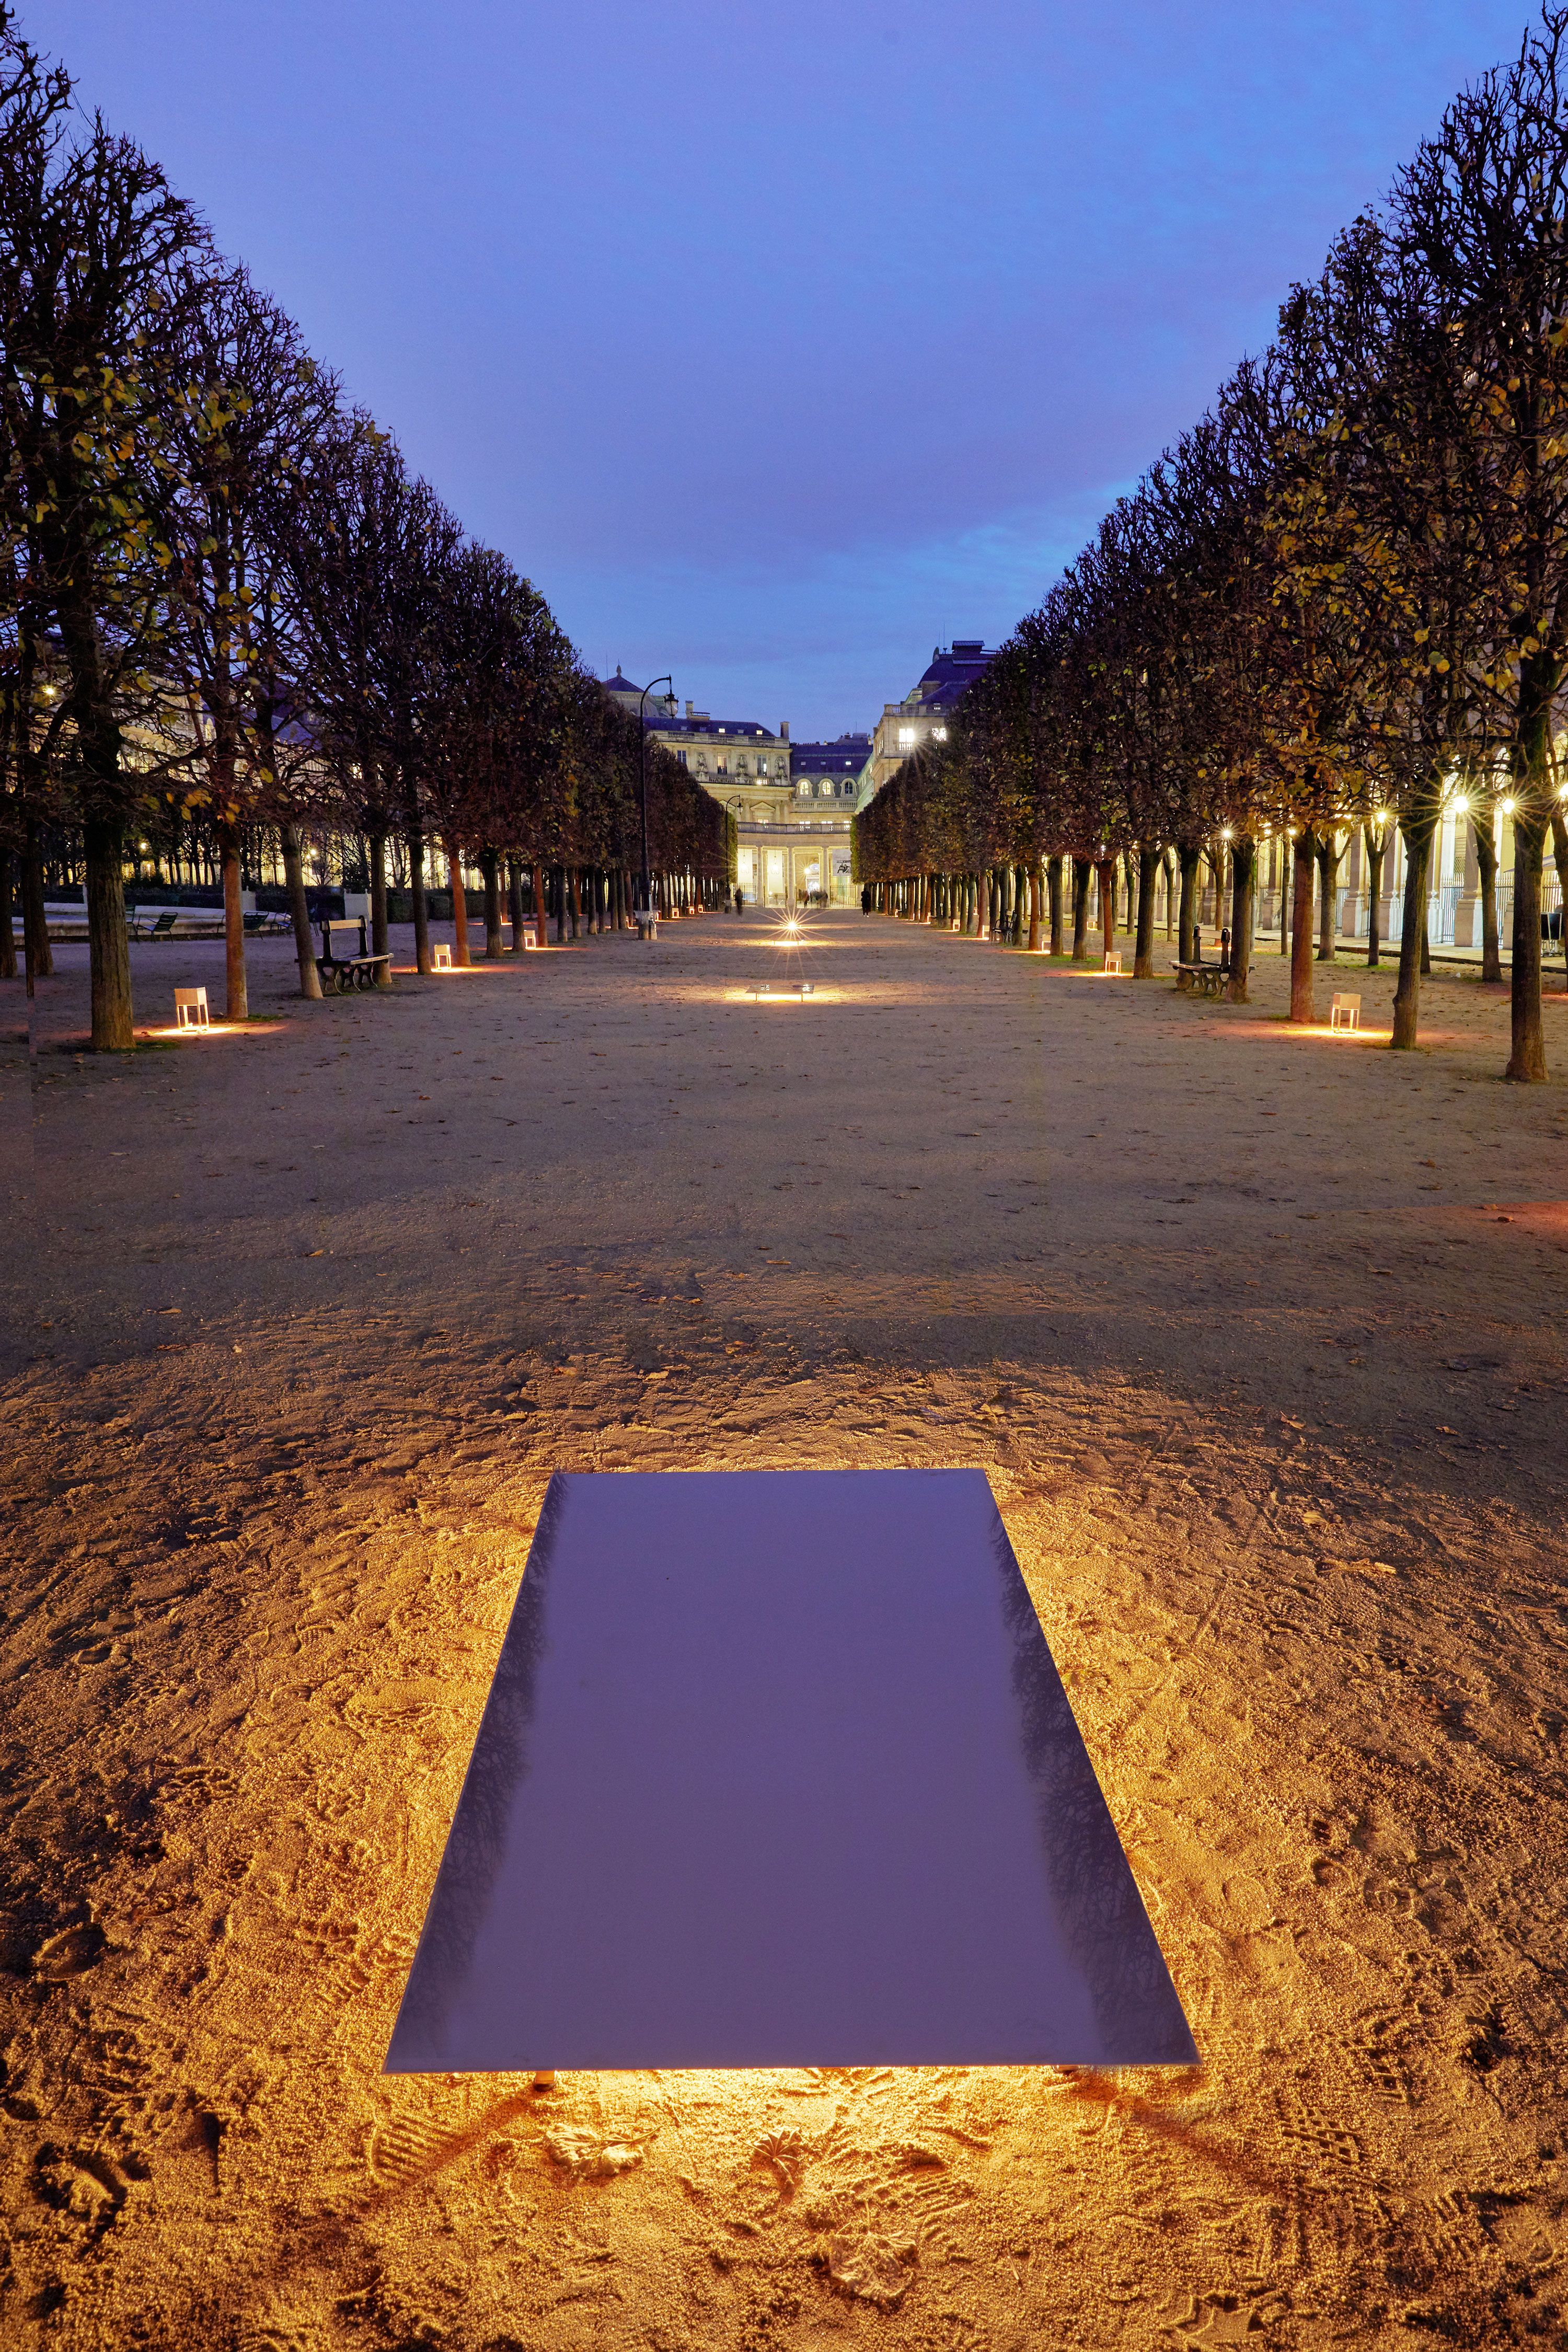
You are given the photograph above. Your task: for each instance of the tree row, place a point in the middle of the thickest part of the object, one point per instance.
(223, 593)
(1340, 600)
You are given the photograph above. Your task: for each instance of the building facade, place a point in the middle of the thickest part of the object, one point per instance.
(922, 716)
(792, 802)
(829, 782)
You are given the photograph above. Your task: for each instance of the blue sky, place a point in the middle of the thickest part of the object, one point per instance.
(778, 343)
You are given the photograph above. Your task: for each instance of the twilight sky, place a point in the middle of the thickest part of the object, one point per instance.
(778, 343)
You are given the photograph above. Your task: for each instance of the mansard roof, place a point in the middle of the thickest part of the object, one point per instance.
(953, 667)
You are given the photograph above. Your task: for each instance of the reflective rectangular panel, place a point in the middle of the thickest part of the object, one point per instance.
(776, 1770)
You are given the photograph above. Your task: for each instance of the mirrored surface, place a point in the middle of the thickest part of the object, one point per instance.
(776, 1770)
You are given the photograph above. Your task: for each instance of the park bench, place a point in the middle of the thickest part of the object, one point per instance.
(353, 967)
(1208, 979)
(266, 926)
(175, 923)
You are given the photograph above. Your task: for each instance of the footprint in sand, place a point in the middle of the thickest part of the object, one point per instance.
(86, 2190)
(1230, 2319)
(70, 1953)
(586, 2156)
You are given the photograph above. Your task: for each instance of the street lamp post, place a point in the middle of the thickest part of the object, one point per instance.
(645, 911)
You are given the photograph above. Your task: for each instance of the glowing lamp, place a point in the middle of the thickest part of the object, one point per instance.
(776, 1769)
(441, 957)
(1461, 807)
(1508, 807)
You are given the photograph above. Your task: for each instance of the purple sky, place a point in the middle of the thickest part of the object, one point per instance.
(779, 342)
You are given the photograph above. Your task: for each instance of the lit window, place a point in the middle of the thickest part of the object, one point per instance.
(941, 734)
(906, 736)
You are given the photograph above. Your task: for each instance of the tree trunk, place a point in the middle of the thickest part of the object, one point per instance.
(1143, 946)
(1417, 831)
(1376, 853)
(460, 907)
(1304, 852)
(1486, 865)
(35, 921)
(1527, 1061)
(379, 935)
(573, 902)
(1169, 871)
(1242, 897)
(1108, 902)
(1053, 901)
(299, 914)
(1186, 920)
(7, 917)
(1035, 911)
(489, 866)
(1560, 859)
(538, 872)
(1328, 895)
(415, 840)
(514, 903)
(238, 1002)
(1082, 873)
(109, 949)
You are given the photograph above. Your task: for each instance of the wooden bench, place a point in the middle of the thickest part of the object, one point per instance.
(356, 968)
(1208, 979)
(175, 923)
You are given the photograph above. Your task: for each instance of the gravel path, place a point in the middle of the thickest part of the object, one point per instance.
(1260, 1338)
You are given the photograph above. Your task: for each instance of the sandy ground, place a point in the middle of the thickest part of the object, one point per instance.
(1260, 1338)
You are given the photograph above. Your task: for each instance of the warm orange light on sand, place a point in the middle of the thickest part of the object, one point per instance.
(190, 1034)
(466, 971)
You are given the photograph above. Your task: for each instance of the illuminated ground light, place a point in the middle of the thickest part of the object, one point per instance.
(776, 1772)
(193, 1034)
(786, 982)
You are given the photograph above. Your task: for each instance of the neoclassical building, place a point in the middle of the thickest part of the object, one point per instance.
(792, 802)
(922, 716)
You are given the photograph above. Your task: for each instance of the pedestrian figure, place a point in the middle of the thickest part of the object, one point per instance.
(1225, 951)
(866, 897)
(1197, 945)
(740, 900)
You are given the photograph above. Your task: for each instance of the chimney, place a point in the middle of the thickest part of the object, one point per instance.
(783, 731)
(689, 710)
